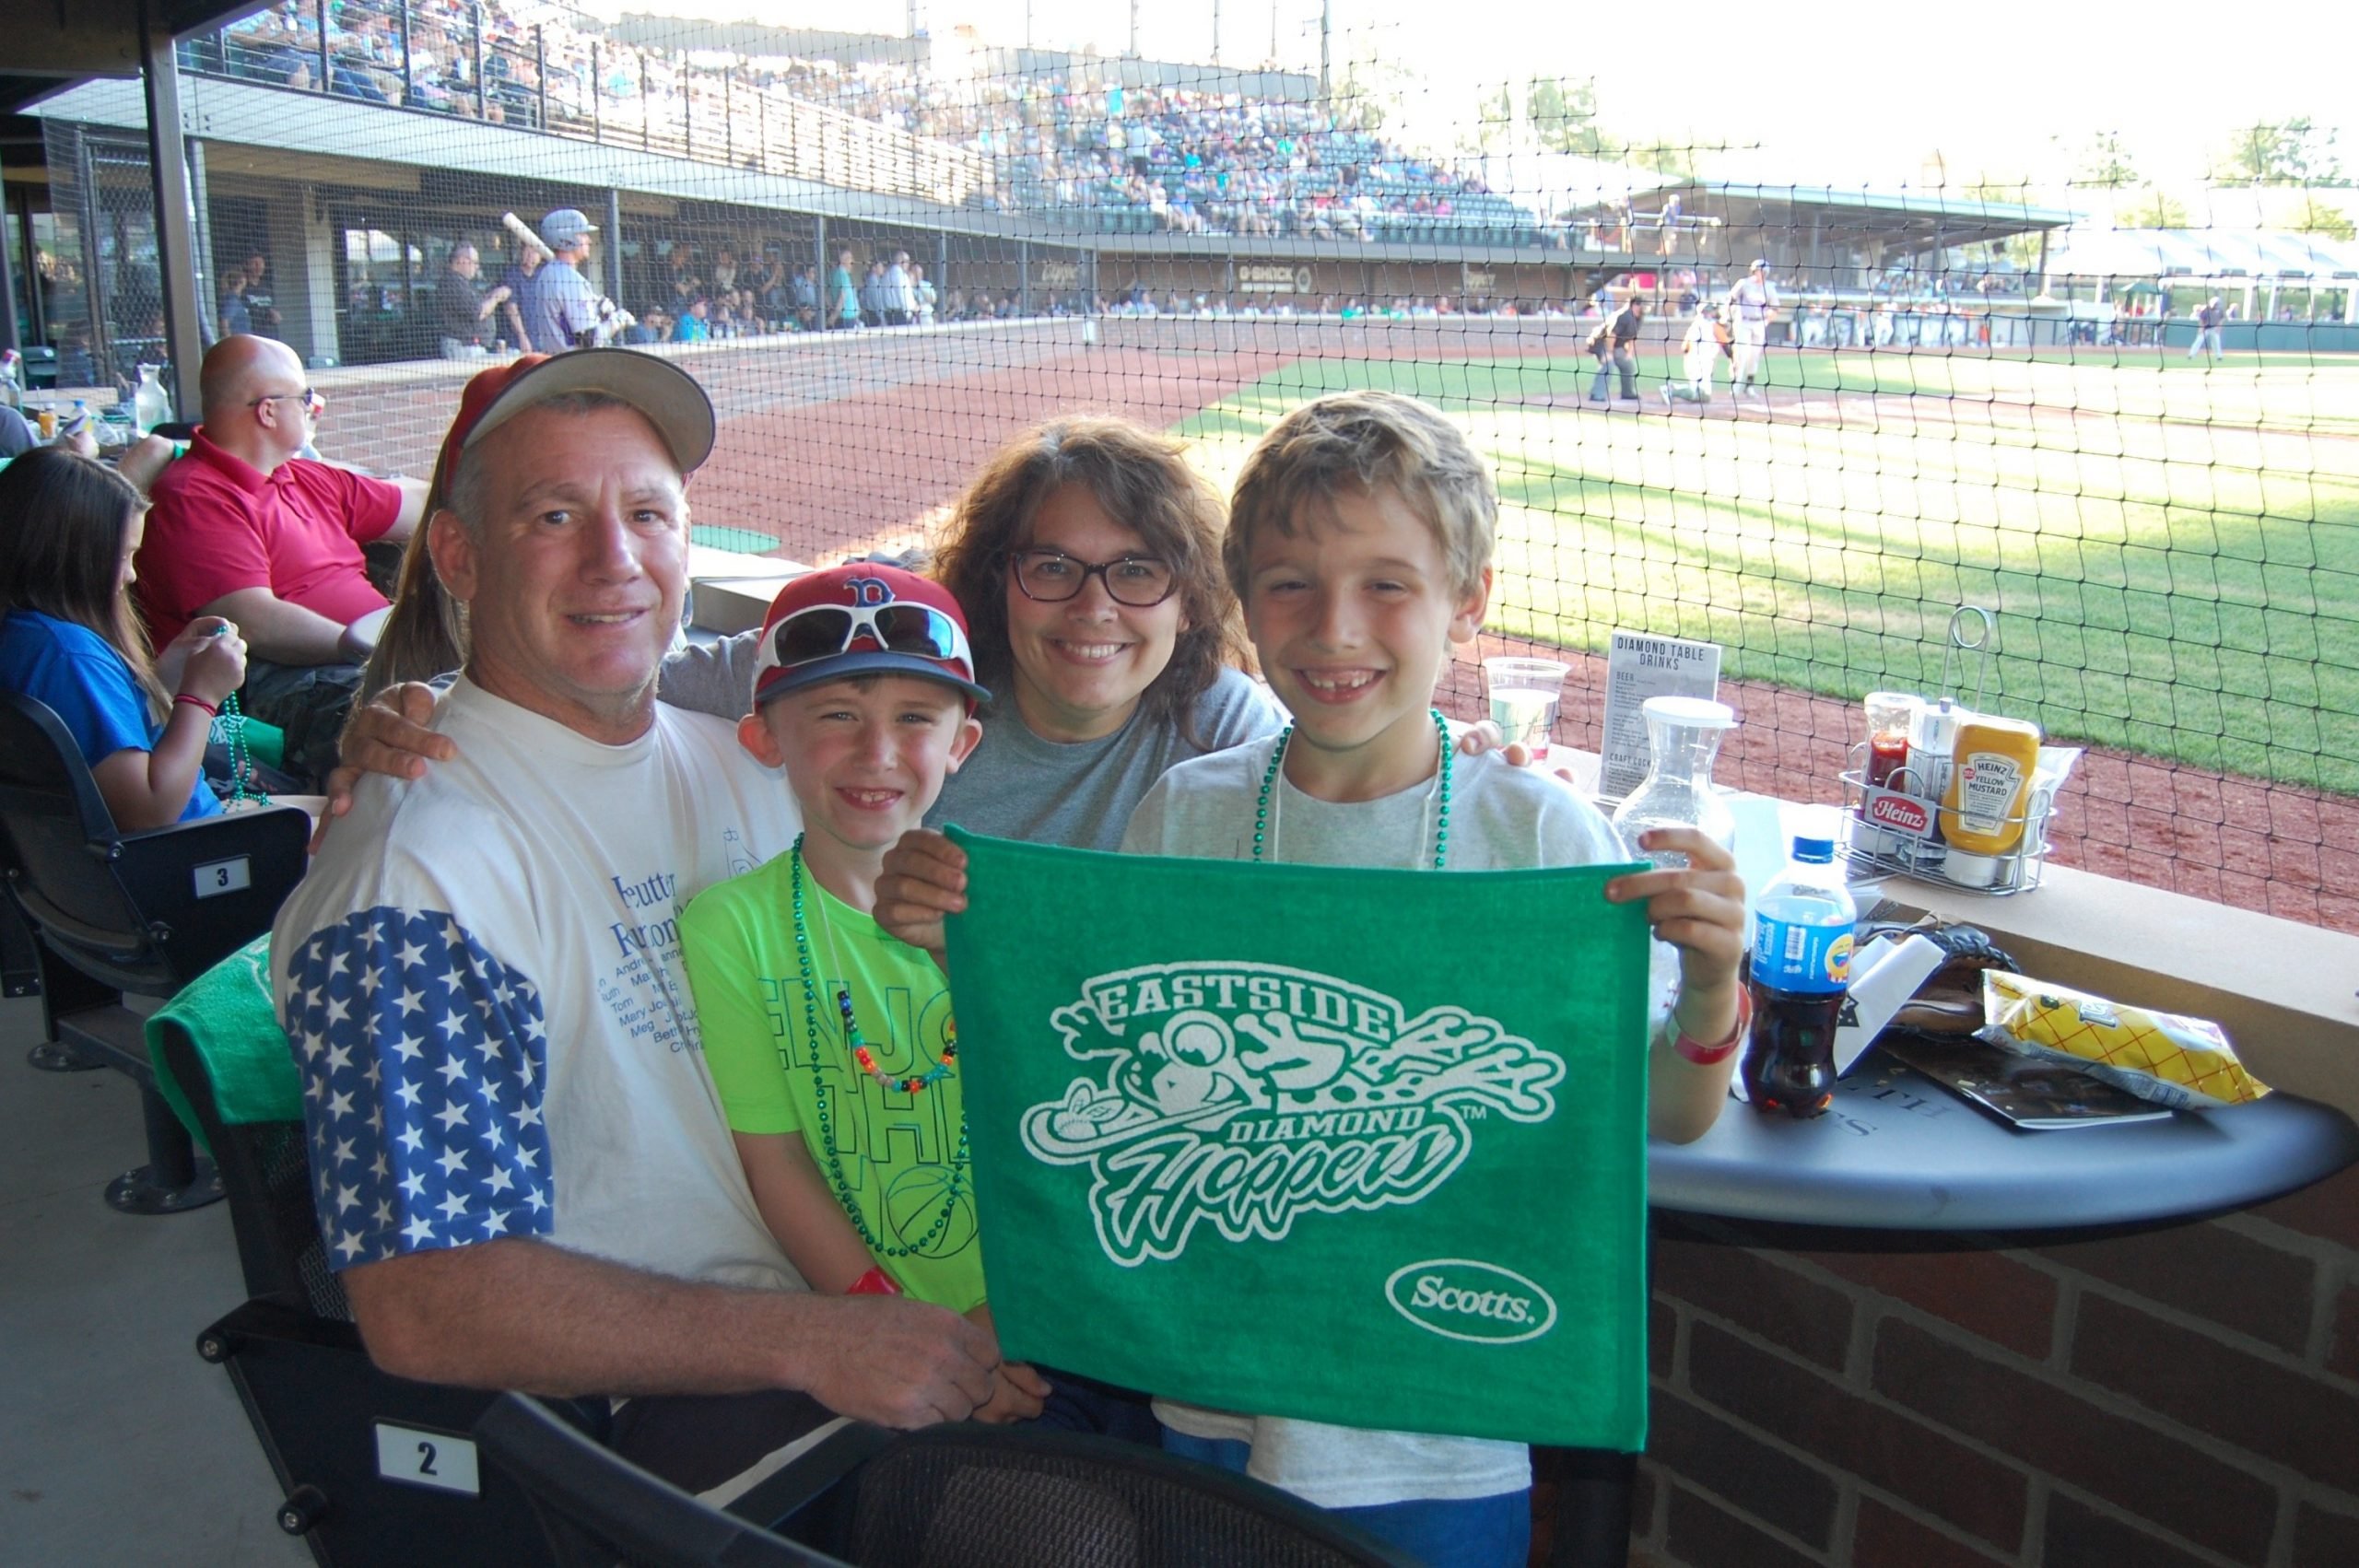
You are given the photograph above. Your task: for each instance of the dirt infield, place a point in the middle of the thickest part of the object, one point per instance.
(875, 469)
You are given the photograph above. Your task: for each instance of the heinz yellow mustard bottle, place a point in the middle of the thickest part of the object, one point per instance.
(1982, 811)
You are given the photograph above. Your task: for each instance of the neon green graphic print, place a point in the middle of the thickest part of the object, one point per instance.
(895, 1149)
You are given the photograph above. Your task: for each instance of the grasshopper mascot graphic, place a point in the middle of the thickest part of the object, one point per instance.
(1243, 1094)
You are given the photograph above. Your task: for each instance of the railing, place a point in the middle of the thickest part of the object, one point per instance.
(577, 83)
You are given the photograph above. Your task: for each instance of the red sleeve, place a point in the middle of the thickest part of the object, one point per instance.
(373, 505)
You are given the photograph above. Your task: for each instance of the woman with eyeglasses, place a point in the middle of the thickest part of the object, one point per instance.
(1086, 558)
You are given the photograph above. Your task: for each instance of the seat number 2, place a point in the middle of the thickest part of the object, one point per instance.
(418, 1457)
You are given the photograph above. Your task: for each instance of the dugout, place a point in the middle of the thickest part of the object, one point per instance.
(2291, 291)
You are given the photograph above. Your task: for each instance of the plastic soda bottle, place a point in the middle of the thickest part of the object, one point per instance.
(1801, 969)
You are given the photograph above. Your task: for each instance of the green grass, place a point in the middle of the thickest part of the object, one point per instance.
(2174, 572)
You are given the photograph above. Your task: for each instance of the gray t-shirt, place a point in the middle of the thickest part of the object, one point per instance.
(1501, 818)
(1016, 785)
(1080, 793)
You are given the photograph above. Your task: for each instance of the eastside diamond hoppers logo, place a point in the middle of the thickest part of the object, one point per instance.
(1243, 1095)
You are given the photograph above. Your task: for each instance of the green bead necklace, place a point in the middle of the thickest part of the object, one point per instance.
(1278, 757)
(230, 725)
(820, 1092)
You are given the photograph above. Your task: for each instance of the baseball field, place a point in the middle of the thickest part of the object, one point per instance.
(2171, 550)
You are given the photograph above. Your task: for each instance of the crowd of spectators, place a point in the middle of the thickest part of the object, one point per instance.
(1181, 159)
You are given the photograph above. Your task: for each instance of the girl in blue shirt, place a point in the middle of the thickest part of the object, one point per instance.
(69, 639)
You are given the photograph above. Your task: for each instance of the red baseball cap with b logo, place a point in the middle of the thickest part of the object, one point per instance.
(861, 619)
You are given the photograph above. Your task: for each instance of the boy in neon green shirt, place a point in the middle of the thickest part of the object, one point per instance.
(832, 1044)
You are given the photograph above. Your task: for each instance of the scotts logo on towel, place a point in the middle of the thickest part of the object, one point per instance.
(1460, 1298)
(1243, 1094)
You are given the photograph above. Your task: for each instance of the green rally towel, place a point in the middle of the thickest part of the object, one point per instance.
(227, 1014)
(1365, 1147)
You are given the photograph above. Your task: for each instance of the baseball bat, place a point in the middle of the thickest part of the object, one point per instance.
(525, 235)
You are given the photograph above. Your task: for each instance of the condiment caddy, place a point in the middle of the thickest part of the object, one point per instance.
(1943, 789)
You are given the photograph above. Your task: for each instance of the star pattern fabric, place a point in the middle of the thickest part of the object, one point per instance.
(424, 1062)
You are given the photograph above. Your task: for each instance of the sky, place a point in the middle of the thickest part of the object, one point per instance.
(1856, 95)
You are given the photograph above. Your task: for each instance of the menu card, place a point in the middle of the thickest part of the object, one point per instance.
(2028, 1091)
(1640, 665)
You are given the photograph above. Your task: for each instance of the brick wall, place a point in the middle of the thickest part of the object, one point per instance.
(2173, 1396)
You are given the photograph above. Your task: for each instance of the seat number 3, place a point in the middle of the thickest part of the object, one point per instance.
(216, 877)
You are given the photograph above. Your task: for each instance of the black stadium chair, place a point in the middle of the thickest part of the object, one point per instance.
(957, 1496)
(114, 912)
(599, 1510)
(375, 1471)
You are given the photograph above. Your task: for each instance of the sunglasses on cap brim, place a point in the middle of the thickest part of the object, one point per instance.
(825, 630)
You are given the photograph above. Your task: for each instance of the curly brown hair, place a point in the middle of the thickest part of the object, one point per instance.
(1141, 480)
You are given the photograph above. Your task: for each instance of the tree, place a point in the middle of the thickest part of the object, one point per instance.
(1674, 159)
(2105, 165)
(2294, 152)
(1999, 189)
(1492, 126)
(2306, 215)
(2152, 209)
(1564, 117)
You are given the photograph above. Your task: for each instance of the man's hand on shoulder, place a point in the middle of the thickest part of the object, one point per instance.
(387, 734)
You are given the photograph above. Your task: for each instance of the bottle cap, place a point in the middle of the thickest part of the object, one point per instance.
(1699, 713)
(1813, 851)
(1970, 870)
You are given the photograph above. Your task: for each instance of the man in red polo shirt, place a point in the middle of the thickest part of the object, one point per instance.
(245, 529)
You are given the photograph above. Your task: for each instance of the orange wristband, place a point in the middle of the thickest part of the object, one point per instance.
(1702, 1055)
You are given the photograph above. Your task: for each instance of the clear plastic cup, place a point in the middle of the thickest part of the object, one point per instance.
(1524, 694)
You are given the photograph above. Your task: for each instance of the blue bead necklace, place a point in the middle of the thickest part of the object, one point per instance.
(833, 1159)
(1278, 757)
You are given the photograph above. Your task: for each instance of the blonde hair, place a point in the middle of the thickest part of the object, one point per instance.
(1363, 440)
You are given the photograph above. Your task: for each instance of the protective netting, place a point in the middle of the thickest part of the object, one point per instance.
(2120, 415)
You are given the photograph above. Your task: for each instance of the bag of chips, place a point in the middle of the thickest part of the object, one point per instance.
(2165, 1057)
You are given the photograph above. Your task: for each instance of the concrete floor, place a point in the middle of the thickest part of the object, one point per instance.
(118, 1445)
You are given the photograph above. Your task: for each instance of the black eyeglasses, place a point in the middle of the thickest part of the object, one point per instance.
(1051, 577)
(309, 395)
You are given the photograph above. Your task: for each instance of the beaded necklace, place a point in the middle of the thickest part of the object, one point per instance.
(245, 794)
(1263, 823)
(844, 1195)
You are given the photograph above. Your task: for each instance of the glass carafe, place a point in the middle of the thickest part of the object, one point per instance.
(1683, 738)
(150, 405)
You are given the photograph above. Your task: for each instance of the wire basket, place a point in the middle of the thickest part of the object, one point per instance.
(1890, 831)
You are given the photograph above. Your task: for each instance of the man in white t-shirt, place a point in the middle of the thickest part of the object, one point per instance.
(518, 1156)
(1750, 304)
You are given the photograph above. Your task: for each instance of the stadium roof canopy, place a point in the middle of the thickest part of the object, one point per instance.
(1898, 219)
(53, 45)
(2202, 253)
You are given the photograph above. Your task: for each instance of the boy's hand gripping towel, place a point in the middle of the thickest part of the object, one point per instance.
(1365, 1147)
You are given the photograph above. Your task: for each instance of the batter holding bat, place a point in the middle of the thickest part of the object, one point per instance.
(561, 311)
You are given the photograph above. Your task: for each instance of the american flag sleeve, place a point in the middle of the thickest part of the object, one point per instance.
(424, 1061)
